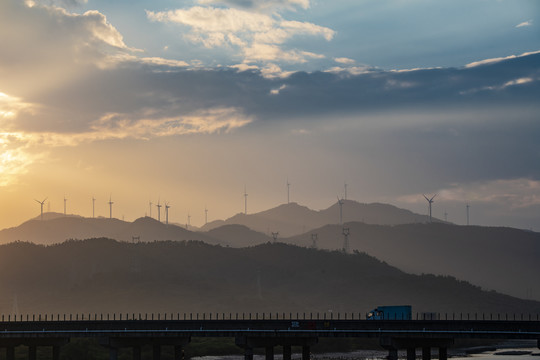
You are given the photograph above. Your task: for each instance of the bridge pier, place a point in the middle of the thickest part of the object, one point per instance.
(443, 353)
(10, 353)
(156, 351)
(394, 344)
(249, 343)
(248, 353)
(426, 353)
(32, 352)
(392, 354)
(269, 353)
(135, 343)
(178, 352)
(306, 352)
(32, 344)
(411, 353)
(113, 353)
(287, 352)
(136, 352)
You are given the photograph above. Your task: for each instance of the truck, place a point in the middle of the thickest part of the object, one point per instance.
(399, 312)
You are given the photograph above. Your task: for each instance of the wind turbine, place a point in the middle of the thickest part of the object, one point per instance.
(167, 206)
(65, 200)
(340, 202)
(345, 188)
(41, 203)
(314, 238)
(288, 191)
(430, 201)
(158, 210)
(275, 235)
(188, 221)
(205, 215)
(346, 232)
(93, 207)
(245, 200)
(150, 206)
(110, 206)
(468, 207)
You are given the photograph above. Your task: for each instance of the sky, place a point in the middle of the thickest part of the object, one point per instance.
(195, 102)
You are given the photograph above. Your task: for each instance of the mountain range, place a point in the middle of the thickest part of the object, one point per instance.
(294, 219)
(495, 258)
(100, 276)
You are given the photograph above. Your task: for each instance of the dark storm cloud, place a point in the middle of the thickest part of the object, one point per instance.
(158, 91)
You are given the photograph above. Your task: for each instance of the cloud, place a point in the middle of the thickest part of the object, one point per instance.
(48, 45)
(525, 23)
(260, 37)
(120, 126)
(514, 193)
(260, 5)
(344, 60)
(61, 3)
(499, 59)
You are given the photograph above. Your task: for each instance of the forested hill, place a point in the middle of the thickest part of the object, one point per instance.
(106, 276)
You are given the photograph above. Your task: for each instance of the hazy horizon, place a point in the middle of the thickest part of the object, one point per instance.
(189, 102)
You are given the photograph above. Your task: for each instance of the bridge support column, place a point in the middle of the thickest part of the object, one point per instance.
(248, 353)
(269, 353)
(178, 352)
(411, 353)
(306, 352)
(426, 353)
(56, 352)
(10, 353)
(32, 352)
(443, 353)
(287, 352)
(156, 352)
(136, 353)
(113, 353)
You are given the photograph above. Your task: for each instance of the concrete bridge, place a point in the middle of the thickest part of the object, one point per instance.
(257, 331)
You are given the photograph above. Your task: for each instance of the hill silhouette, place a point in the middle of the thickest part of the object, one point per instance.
(503, 259)
(238, 236)
(294, 219)
(60, 228)
(106, 276)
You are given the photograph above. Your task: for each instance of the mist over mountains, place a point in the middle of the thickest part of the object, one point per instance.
(465, 258)
(294, 219)
(106, 276)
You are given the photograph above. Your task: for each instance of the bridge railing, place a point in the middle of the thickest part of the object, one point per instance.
(261, 316)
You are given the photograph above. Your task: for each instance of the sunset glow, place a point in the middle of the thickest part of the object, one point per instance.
(188, 102)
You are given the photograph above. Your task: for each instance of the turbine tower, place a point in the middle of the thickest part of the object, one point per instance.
(345, 188)
(41, 203)
(340, 202)
(110, 206)
(205, 215)
(468, 206)
(288, 191)
(65, 201)
(150, 206)
(430, 201)
(314, 238)
(346, 233)
(245, 200)
(93, 207)
(167, 206)
(158, 210)
(188, 221)
(275, 235)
